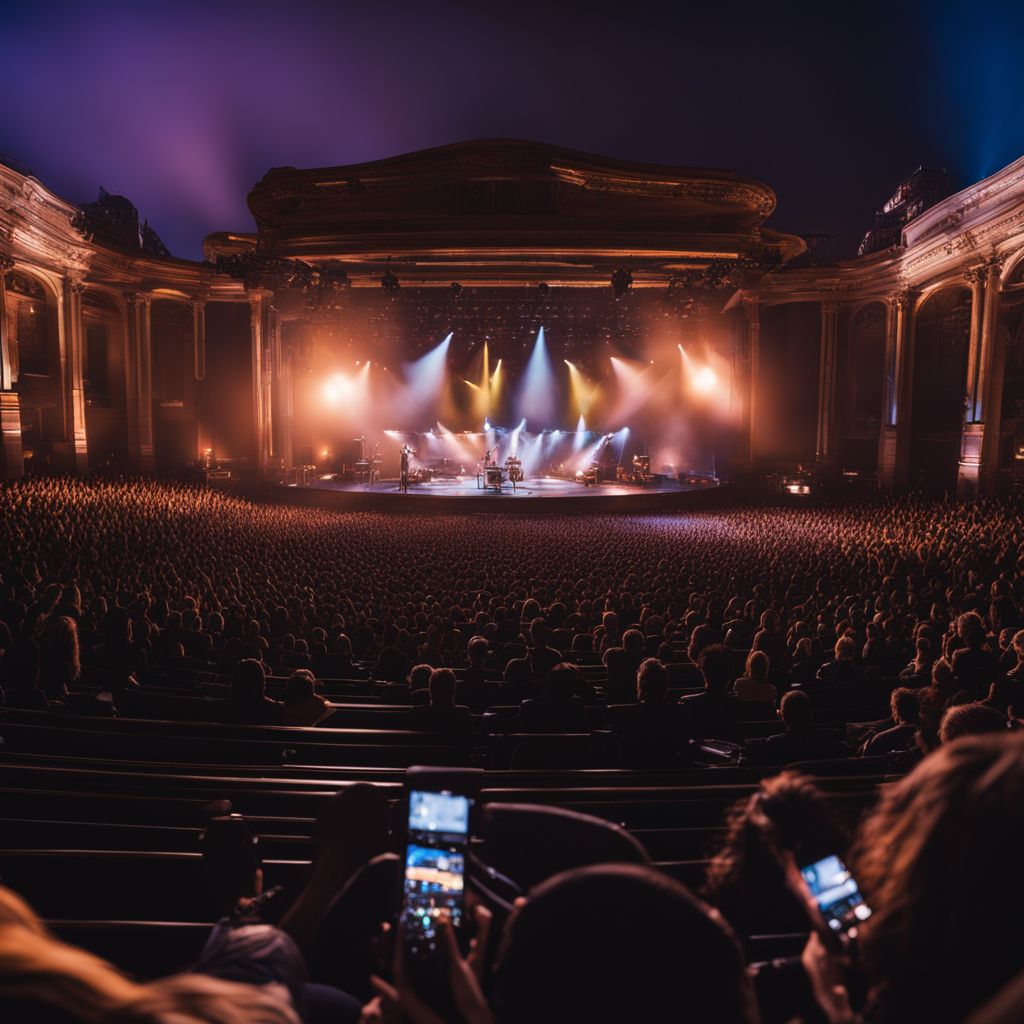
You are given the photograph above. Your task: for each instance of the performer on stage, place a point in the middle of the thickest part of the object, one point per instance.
(403, 474)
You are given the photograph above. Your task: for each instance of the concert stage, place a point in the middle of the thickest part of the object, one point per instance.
(545, 494)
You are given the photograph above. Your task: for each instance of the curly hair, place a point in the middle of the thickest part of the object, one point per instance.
(938, 861)
(787, 814)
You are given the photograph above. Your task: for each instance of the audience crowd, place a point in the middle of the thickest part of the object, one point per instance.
(893, 631)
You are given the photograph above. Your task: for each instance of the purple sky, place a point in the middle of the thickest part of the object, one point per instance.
(182, 107)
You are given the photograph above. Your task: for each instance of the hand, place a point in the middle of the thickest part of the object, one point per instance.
(400, 1001)
(824, 973)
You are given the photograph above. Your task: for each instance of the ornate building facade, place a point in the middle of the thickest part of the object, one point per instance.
(906, 364)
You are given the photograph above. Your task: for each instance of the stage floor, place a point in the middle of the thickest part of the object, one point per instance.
(544, 493)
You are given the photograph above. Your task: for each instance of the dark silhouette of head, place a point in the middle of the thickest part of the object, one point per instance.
(716, 666)
(971, 719)
(652, 682)
(248, 682)
(795, 710)
(442, 687)
(301, 686)
(615, 943)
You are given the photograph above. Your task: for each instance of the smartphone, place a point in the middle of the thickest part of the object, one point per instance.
(434, 879)
(836, 893)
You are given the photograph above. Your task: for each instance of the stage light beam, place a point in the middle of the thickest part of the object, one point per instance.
(537, 395)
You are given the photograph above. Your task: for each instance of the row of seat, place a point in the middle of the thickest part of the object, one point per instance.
(99, 818)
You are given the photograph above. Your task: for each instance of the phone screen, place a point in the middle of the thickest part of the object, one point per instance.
(435, 865)
(835, 891)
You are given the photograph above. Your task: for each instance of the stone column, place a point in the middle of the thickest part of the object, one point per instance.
(259, 313)
(887, 434)
(198, 307)
(990, 313)
(12, 464)
(991, 367)
(894, 443)
(73, 384)
(147, 448)
(280, 394)
(287, 415)
(826, 383)
(200, 403)
(139, 382)
(968, 472)
(976, 280)
(752, 312)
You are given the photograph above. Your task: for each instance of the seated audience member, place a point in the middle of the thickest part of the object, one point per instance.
(197, 643)
(944, 684)
(59, 665)
(746, 879)
(554, 953)
(441, 714)
(902, 733)
(21, 676)
(653, 731)
(337, 663)
(1006, 695)
(1006, 656)
(559, 961)
(540, 658)
(802, 741)
(302, 704)
(1003, 610)
(933, 859)
(476, 688)
(805, 663)
(841, 671)
(715, 712)
(556, 708)
(622, 664)
(973, 665)
(1016, 671)
(754, 685)
(973, 719)
(248, 703)
(392, 662)
(121, 661)
(608, 633)
(919, 671)
(293, 654)
(419, 684)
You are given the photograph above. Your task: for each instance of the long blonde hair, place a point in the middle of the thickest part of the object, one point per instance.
(37, 968)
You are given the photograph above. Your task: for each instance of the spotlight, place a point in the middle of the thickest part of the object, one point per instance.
(705, 380)
(543, 291)
(622, 281)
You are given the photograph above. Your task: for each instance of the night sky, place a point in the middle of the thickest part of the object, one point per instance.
(183, 106)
